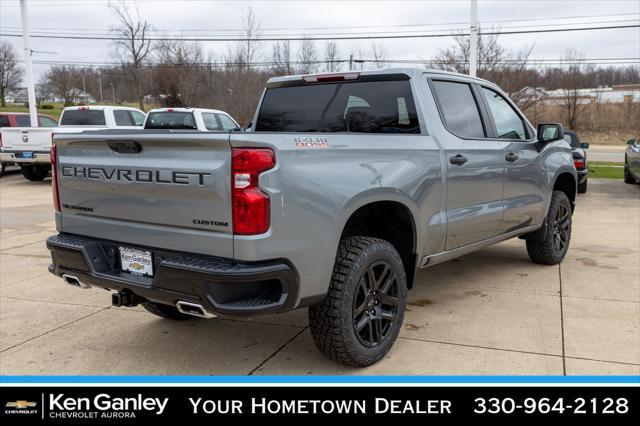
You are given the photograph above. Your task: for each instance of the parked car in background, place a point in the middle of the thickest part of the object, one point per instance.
(30, 147)
(102, 117)
(200, 119)
(20, 119)
(578, 150)
(632, 161)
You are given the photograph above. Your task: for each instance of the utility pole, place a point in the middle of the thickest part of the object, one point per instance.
(473, 34)
(31, 91)
(100, 86)
(113, 93)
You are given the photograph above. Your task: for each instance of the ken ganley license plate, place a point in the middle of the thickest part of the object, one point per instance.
(136, 261)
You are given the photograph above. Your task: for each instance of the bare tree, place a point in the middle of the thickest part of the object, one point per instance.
(456, 57)
(10, 72)
(331, 57)
(178, 74)
(572, 81)
(281, 57)
(307, 57)
(379, 54)
(510, 70)
(133, 46)
(61, 81)
(245, 52)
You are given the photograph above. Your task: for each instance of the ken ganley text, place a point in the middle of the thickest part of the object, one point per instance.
(319, 406)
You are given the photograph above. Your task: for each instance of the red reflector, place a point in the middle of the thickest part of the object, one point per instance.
(326, 78)
(54, 175)
(251, 207)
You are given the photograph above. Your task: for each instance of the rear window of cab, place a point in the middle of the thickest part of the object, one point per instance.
(83, 117)
(357, 107)
(171, 120)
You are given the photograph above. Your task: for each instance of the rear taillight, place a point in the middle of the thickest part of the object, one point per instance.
(250, 204)
(54, 175)
(578, 163)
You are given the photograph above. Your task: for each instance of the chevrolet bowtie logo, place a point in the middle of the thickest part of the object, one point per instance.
(21, 405)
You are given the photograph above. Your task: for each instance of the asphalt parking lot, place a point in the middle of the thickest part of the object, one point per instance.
(491, 312)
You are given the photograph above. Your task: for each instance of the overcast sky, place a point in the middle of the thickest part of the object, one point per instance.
(304, 17)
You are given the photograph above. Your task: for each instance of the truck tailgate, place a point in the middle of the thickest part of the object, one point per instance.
(162, 189)
(26, 138)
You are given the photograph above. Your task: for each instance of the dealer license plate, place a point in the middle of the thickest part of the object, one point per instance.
(136, 261)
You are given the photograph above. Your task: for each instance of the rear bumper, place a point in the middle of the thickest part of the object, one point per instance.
(16, 157)
(222, 286)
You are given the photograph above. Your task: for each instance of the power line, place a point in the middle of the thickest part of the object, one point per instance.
(531, 63)
(102, 33)
(240, 30)
(363, 37)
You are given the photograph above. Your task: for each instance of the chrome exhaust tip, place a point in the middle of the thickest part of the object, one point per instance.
(193, 309)
(74, 281)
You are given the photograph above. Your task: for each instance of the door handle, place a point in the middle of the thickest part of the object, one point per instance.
(458, 160)
(511, 157)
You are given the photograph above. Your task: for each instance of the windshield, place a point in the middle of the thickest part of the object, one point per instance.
(364, 107)
(82, 117)
(170, 120)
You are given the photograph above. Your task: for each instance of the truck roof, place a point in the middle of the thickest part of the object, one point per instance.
(99, 107)
(411, 72)
(186, 109)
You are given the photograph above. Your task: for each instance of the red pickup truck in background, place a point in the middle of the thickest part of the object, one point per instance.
(22, 119)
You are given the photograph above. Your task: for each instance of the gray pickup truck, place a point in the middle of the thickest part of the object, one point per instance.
(343, 188)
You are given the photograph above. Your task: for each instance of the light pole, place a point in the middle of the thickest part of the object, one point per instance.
(473, 39)
(31, 92)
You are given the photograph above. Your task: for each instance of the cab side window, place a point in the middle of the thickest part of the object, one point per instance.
(227, 123)
(508, 123)
(123, 118)
(459, 109)
(210, 121)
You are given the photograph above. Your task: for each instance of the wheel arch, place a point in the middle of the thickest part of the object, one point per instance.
(390, 219)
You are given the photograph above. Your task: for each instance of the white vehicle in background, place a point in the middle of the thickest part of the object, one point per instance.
(30, 147)
(101, 117)
(200, 119)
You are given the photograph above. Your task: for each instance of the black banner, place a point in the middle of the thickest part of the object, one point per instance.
(106, 404)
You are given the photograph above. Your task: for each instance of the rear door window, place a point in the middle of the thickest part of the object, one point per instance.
(123, 117)
(83, 117)
(358, 106)
(459, 109)
(210, 121)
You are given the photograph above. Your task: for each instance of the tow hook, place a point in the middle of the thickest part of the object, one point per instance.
(124, 298)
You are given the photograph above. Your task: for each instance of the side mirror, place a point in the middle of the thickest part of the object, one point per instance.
(585, 145)
(550, 132)
(631, 142)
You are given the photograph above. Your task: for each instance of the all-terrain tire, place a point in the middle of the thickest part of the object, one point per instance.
(35, 173)
(582, 187)
(628, 177)
(333, 321)
(166, 311)
(554, 247)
